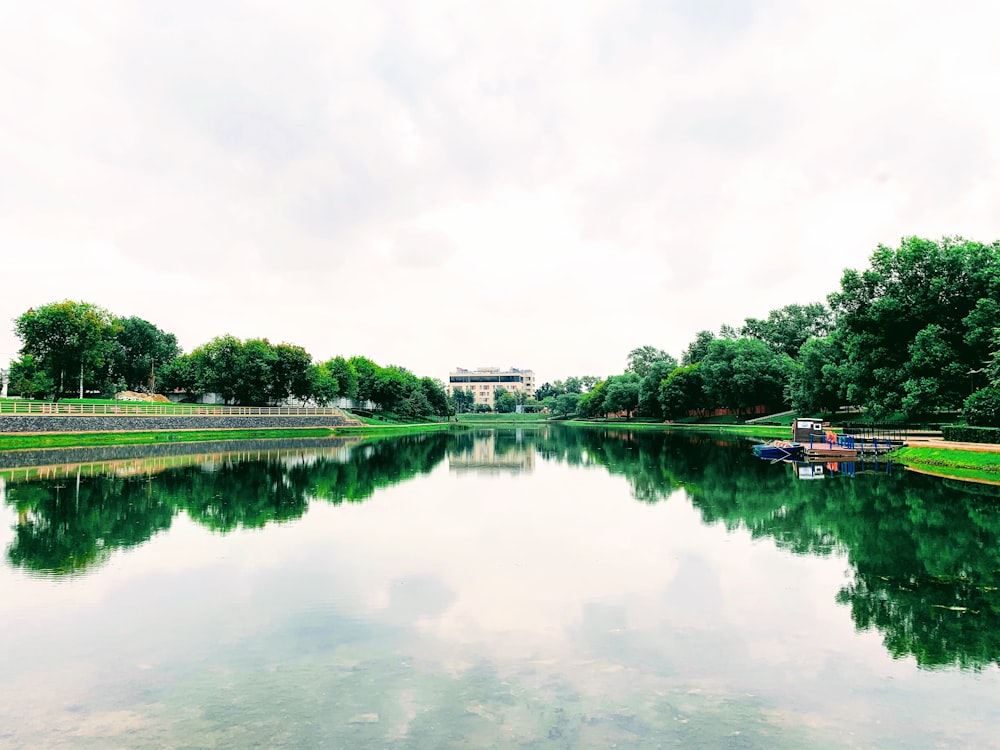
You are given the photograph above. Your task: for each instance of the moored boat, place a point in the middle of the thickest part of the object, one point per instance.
(778, 449)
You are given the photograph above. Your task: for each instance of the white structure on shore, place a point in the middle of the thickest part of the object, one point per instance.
(484, 381)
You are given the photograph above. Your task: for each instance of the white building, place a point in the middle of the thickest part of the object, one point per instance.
(484, 381)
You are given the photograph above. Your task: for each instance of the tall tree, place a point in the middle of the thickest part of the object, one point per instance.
(743, 373)
(682, 392)
(290, 374)
(817, 382)
(883, 309)
(649, 387)
(70, 341)
(140, 350)
(785, 330)
(698, 348)
(623, 394)
(504, 401)
(347, 377)
(29, 379)
(642, 358)
(366, 372)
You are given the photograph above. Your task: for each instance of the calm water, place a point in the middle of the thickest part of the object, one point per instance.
(527, 589)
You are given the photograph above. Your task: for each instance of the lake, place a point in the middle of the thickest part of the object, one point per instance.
(516, 588)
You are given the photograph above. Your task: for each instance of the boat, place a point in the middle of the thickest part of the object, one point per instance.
(777, 450)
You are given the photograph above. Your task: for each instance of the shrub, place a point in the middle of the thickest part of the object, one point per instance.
(982, 408)
(963, 434)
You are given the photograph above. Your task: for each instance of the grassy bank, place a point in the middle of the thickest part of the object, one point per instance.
(88, 439)
(91, 439)
(747, 430)
(490, 418)
(960, 464)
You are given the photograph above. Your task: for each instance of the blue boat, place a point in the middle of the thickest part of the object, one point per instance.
(778, 450)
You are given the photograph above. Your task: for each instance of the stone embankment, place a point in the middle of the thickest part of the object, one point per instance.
(10, 423)
(121, 453)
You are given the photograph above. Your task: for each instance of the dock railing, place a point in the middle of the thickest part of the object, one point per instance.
(881, 432)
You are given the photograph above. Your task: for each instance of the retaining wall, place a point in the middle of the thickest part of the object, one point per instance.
(16, 423)
(115, 453)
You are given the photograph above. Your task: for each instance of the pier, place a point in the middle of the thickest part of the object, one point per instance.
(847, 446)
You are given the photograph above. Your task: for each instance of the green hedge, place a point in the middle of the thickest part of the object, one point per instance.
(963, 434)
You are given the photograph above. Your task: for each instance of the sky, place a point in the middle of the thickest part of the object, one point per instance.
(464, 184)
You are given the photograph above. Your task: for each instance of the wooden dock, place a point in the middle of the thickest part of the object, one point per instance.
(842, 449)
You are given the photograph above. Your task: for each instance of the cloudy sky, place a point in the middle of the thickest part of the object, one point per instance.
(442, 184)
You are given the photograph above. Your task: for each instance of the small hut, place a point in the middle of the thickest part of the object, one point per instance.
(804, 428)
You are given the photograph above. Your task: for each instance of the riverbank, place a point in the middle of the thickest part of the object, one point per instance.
(11, 442)
(765, 432)
(970, 462)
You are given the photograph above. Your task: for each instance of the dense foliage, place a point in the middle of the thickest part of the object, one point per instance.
(78, 348)
(915, 335)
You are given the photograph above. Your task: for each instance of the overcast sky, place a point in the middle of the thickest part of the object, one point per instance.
(442, 184)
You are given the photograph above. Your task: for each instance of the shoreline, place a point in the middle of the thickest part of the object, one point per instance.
(10, 442)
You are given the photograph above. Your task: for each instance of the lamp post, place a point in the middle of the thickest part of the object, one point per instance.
(971, 373)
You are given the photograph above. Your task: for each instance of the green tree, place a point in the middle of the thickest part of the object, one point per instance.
(346, 376)
(504, 402)
(982, 408)
(623, 394)
(139, 352)
(464, 400)
(743, 373)
(291, 374)
(936, 379)
(390, 386)
(593, 402)
(649, 387)
(367, 372)
(881, 311)
(682, 392)
(816, 382)
(436, 396)
(785, 330)
(698, 348)
(28, 378)
(566, 404)
(70, 341)
(323, 386)
(642, 358)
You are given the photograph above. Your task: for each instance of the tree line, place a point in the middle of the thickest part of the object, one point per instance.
(914, 334)
(77, 349)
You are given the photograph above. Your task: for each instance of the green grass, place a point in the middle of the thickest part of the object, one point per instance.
(85, 439)
(490, 418)
(90, 439)
(749, 430)
(955, 463)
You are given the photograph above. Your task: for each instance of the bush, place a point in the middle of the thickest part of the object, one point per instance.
(982, 408)
(963, 434)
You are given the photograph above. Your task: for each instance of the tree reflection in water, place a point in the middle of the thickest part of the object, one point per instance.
(924, 553)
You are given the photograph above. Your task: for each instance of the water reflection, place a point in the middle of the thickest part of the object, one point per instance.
(511, 451)
(924, 553)
(73, 521)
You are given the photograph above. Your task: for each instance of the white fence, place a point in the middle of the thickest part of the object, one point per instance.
(151, 409)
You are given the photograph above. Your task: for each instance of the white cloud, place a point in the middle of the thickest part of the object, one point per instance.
(444, 184)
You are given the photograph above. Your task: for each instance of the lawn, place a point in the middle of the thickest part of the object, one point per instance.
(85, 439)
(957, 463)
